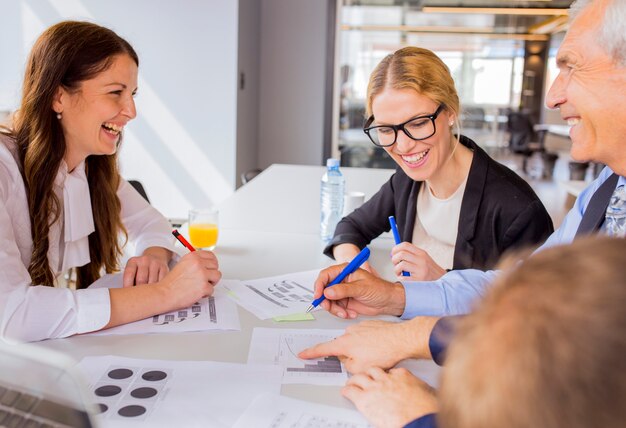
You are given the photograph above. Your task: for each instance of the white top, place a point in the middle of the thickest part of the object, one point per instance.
(437, 224)
(37, 312)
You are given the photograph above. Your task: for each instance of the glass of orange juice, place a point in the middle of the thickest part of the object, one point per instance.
(203, 228)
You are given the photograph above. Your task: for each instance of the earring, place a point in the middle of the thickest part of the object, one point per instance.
(59, 116)
(451, 123)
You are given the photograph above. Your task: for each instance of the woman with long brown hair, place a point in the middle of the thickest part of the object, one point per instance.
(63, 203)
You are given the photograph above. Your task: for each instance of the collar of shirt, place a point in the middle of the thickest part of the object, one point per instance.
(78, 216)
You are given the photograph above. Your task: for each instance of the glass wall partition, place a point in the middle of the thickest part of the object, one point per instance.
(484, 52)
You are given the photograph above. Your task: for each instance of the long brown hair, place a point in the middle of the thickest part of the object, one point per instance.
(65, 55)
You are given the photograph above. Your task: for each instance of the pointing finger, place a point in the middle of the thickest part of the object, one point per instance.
(325, 349)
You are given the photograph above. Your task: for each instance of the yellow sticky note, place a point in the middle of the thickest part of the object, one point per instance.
(295, 317)
(231, 294)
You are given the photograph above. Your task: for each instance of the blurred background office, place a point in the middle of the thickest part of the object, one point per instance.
(229, 87)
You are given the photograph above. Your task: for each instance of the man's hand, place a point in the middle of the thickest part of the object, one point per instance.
(150, 267)
(377, 344)
(390, 399)
(407, 257)
(362, 293)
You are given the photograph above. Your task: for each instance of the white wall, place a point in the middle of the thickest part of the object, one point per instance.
(12, 54)
(196, 131)
(292, 81)
(182, 144)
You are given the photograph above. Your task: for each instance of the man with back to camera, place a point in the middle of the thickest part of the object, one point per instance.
(544, 348)
(589, 92)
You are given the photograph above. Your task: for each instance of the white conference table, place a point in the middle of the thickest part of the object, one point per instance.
(245, 252)
(286, 198)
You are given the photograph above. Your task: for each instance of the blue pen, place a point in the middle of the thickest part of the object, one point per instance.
(351, 267)
(396, 236)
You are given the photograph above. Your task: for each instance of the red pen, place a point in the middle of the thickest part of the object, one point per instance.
(182, 240)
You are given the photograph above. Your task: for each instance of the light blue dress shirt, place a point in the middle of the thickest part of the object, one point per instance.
(456, 292)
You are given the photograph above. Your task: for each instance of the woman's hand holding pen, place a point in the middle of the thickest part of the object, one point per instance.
(408, 258)
(149, 268)
(192, 278)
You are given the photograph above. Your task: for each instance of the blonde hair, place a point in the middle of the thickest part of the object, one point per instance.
(417, 69)
(546, 348)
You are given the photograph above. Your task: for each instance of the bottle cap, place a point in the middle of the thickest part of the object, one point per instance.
(332, 162)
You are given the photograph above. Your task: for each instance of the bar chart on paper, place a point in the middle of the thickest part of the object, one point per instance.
(275, 296)
(281, 347)
(216, 312)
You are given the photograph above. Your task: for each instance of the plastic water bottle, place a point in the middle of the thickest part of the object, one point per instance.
(331, 199)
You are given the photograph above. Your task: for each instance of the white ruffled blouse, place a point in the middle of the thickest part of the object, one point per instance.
(33, 313)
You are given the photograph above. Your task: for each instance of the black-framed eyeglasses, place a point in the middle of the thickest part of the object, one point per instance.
(417, 128)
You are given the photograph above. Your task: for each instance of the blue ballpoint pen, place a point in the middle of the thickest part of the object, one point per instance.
(351, 267)
(396, 236)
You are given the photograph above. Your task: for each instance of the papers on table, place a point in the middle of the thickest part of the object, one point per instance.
(280, 347)
(217, 312)
(274, 411)
(133, 392)
(275, 296)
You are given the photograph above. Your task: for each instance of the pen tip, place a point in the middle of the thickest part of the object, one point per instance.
(309, 309)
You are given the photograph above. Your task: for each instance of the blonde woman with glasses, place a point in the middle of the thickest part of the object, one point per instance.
(455, 207)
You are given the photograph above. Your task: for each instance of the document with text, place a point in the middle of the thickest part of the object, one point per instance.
(216, 312)
(275, 411)
(275, 296)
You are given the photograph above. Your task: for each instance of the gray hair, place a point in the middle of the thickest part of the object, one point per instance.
(613, 30)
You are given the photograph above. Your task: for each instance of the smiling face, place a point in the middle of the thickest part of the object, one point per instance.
(94, 115)
(421, 160)
(589, 91)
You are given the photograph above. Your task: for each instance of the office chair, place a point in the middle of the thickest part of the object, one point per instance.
(523, 140)
(473, 117)
(139, 188)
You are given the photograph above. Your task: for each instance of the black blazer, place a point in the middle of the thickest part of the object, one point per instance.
(499, 211)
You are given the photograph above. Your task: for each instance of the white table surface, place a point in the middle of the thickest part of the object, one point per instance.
(286, 198)
(245, 253)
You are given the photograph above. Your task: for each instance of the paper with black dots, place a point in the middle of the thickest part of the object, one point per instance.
(157, 393)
